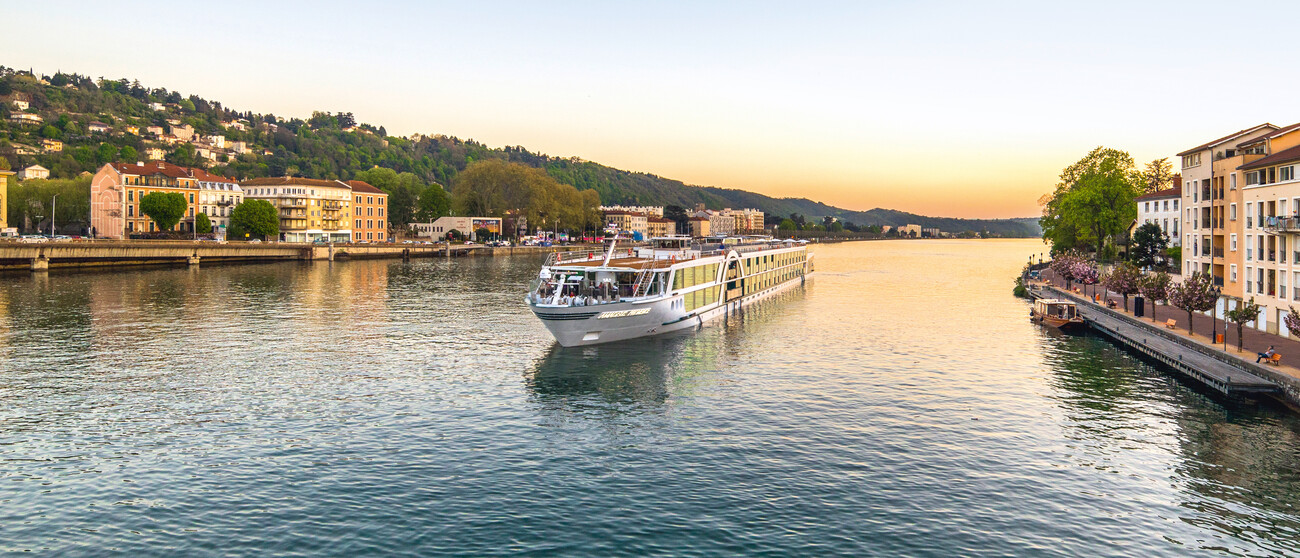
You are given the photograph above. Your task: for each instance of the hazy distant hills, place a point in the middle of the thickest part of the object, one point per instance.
(98, 121)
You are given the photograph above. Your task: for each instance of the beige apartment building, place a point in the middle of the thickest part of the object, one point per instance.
(309, 209)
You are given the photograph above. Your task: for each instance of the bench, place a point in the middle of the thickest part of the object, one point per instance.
(1110, 303)
(1275, 360)
(1171, 323)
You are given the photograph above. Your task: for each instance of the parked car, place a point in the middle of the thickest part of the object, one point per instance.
(33, 238)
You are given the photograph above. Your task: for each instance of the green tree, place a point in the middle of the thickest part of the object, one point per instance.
(49, 131)
(1092, 202)
(787, 225)
(4, 164)
(254, 219)
(202, 225)
(165, 208)
(482, 233)
(434, 203)
(1244, 312)
(1158, 175)
(107, 153)
(183, 155)
(1148, 245)
(129, 154)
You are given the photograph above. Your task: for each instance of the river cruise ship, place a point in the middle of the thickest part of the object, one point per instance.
(598, 296)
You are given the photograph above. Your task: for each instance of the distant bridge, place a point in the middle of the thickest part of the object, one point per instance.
(43, 256)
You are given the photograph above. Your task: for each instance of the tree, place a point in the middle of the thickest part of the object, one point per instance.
(183, 155)
(254, 218)
(434, 203)
(129, 154)
(165, 208)
(677, 214)
(1092, 202)
(482, 233)
(1244, 312)
(786, 225)
(1149, 244)
(1158, 175)
(202, 224)
(4, 164)
(1063, 265)
(453, 234)
(1155, 288)
(1084, 272)
(1292, 321)
(1194, 294)
(1123, 280)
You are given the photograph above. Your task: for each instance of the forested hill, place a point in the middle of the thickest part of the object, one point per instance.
(72, 108)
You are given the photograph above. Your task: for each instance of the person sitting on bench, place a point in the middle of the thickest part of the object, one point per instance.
(1266, 354)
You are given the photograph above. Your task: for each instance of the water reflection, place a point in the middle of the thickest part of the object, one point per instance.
(620, 376)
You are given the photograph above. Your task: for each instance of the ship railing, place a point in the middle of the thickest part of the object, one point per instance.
(584, 255)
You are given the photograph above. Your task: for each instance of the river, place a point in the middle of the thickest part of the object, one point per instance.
(900, 403)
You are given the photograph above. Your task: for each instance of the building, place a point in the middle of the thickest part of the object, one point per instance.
(97, 128)
(20, 104)
(156, 131)
(309, 209)
(51, 145)
(745, 220)
(1270, 201)
(183, 132)
(25, 118)
(36, 172)
(930, 232)
(913, 231)
(1162, 209)
(1212, 209)
(467, 226)
(698, 226)
(115, 193)
(369, 205)
(218, 196)
(658, 226)
(133, 130)
(239, 147)
(155, 153)
(628, 221)
(647, 210)
(5, 229)
(218, 141)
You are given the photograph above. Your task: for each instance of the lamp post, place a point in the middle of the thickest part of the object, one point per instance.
(1214, 315)
(54, 204)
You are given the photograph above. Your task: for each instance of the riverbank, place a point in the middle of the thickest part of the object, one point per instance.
(1202, 335)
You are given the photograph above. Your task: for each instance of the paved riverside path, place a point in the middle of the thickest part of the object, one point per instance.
(1222, 374)
(1254, 340)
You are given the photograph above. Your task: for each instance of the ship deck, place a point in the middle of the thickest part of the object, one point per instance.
(631, 263)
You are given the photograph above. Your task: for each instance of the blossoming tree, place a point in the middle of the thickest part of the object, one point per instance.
(1155, 288)
(1194, 294)
(1123, 280)
(1244, 312)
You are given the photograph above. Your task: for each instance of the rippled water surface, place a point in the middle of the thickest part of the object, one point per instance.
(898, 404)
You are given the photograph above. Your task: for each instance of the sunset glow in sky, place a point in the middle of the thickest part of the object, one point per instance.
(958, 109)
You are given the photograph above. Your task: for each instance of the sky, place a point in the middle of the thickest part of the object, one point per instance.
(955, 109)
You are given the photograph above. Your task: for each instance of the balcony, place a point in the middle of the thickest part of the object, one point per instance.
(1295, 294)
(331, 205)
(288, 212)
(1218, 252)
(1281, 224)
(1218, 281)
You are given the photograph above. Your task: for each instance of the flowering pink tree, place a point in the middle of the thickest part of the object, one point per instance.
(1292, 321)
(1155, 288)
(1063, 265)
(1123, 280)
(1084, 272)
(1194, 294)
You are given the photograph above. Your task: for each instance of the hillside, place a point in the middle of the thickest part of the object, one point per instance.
(72, 124)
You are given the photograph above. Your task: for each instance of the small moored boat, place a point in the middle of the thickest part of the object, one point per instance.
(1060, 314)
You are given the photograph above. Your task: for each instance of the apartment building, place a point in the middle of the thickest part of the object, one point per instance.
(116, 189)
(630, 221)
(1210, 195)
(1271, 228)
(4, 203)
(218, 196)
(647, 210)
(309, 209)
(369, 206)
(658, 226)
(1162, 208)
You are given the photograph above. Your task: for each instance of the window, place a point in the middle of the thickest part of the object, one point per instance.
(1286, 173)
(1250, 247)
(1146, 207)
(1234, 273)
(130, 211)
(1234, 243)
(1232, 212)
(1175, 205)
(1232, 181)
(130, 195)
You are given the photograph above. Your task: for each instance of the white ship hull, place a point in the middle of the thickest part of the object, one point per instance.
(587, 299)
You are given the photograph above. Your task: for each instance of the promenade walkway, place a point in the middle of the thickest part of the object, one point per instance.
(1253, 340)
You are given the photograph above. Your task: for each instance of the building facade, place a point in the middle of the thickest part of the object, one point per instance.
(34, 172)
(628, 221)
(647, 210)
(658, 226)
(467, 226)
(1163, 209)
(116, 189)
(4, 203)
(310, 210)
(218, 196)
(1270, 198)
(699, 226)
(369, 209)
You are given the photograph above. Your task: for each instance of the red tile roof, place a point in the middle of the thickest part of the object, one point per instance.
(360, 186)
(291, 181)
(1175, 192)
(1283, 156)
(1231, 136)
(154, 168)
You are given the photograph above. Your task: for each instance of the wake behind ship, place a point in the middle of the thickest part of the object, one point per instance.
(591, 297)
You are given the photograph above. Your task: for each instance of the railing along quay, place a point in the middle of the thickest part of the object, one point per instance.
(1203, 365)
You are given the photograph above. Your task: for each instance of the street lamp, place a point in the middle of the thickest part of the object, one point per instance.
(1214, 316)
(54, 204)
